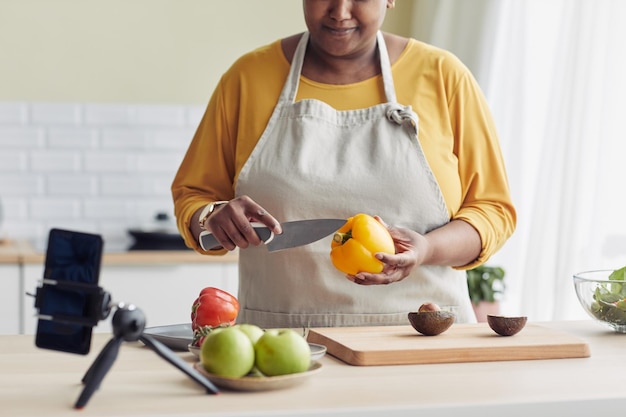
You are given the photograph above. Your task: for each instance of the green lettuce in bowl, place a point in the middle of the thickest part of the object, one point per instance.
(602, 294)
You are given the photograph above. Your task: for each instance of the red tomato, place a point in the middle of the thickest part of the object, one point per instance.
(214, 308)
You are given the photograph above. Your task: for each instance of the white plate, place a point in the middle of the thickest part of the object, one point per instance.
(259, 383)
(174, 336)
(317, 351)
(194, 349)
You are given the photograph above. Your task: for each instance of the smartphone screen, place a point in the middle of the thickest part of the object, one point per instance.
(69, 299)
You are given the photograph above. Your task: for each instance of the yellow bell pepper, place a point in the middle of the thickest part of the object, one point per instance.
(355, 243)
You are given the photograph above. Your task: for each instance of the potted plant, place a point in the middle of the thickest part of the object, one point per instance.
(486, 286)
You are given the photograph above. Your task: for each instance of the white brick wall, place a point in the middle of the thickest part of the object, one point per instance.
(96, 168)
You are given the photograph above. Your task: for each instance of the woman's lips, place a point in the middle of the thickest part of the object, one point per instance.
(340, 31)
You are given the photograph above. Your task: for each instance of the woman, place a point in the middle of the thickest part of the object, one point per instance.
(340, 120)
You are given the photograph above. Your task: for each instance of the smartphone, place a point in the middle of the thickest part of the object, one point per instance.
(69, 300)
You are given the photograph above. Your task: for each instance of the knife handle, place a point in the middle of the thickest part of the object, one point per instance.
(208, 241)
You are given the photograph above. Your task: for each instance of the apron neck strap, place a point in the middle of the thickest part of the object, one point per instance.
(291, 85)
(385, 68)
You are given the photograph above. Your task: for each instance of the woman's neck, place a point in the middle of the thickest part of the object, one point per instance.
(348, 70)
(328, 69)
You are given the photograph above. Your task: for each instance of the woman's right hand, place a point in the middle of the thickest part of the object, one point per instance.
(230, 223)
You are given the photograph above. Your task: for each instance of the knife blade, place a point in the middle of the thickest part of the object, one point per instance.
(295, 233)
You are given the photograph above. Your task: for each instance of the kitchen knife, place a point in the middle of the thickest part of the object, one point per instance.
(295, 233)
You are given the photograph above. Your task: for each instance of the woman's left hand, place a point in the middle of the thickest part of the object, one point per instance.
(410, 252)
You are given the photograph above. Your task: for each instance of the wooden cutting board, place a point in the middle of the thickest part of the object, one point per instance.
(401, 345)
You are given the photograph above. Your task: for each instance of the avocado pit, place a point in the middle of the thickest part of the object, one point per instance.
(506, 326)
(428, 307)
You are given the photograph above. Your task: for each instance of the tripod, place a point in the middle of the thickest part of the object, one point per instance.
(128, 325)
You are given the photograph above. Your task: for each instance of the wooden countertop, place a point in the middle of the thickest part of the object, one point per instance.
(17, 251)
(11, 251)
(36, 382)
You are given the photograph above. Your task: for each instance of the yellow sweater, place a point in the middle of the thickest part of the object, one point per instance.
(456, 132)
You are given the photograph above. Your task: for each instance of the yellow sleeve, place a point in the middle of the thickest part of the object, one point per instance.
(486, 202)
(206, 172)
(460, 142)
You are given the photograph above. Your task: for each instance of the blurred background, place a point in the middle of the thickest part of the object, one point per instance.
(99, 100)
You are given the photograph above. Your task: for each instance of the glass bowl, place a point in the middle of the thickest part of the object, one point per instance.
(602, 298)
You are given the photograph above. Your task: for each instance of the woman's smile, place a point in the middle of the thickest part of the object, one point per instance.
(340, 31)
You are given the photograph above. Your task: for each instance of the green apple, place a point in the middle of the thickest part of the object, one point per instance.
(282, 351)
(227, 352)
(254, 332)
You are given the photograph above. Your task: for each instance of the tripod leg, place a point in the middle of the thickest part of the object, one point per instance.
(164, 352)
(89, 374)
(98, 369)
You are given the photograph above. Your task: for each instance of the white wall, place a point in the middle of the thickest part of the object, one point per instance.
(94, 167)
(146, 51)
(149, 51)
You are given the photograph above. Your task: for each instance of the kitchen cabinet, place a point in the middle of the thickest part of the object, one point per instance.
(164, 291)
(10, 303)
(10, 286)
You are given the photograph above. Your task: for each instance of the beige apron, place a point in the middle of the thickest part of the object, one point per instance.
(313, 161)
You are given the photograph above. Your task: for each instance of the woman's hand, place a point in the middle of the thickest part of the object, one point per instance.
(410, 252)
(230, 223)
(456, 243)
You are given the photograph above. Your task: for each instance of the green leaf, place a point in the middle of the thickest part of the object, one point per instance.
(618, 274)
(485, 283)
